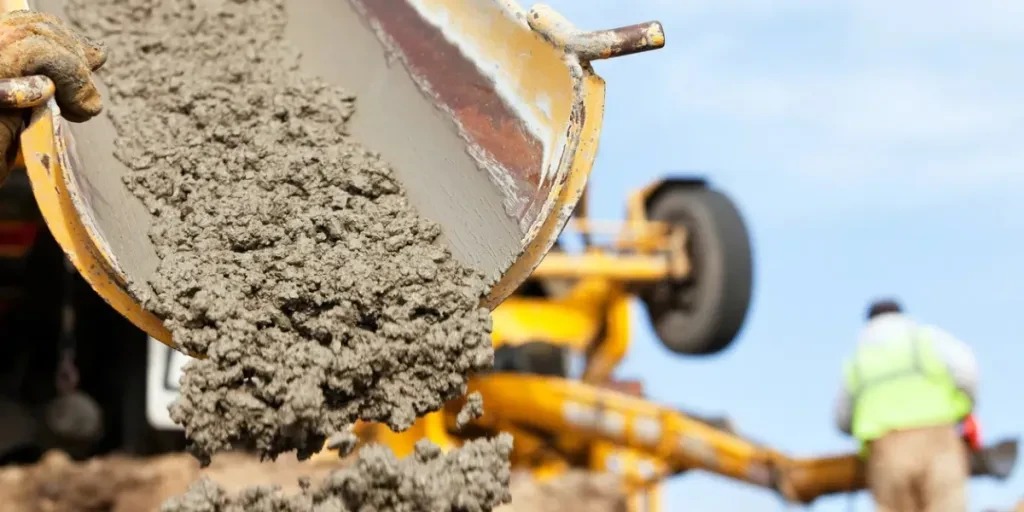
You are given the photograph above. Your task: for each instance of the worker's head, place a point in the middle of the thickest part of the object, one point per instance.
(881, 307)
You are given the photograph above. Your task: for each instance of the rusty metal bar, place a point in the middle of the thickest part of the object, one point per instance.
(25, 92)
(599, 44)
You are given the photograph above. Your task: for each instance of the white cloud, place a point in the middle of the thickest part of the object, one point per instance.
(855, 104)
(940, 20)
(922, 99)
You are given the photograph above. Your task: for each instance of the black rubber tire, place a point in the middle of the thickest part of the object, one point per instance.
(704, 313)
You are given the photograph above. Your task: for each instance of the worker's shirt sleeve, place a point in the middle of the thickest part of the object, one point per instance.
(959, 360)
(844, 411)
(844, 404)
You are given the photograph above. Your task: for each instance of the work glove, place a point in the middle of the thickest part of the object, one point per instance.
(35, 43)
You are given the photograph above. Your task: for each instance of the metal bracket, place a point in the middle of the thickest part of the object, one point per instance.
(595, 45)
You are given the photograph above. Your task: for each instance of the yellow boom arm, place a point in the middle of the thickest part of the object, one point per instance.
(559, 423)
(588, 413)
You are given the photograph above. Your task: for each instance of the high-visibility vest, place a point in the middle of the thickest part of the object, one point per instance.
(901, 385)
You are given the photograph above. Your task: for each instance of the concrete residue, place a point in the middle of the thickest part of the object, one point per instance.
(472, 478)
(290, 256)
(473, 409)
(343, 442)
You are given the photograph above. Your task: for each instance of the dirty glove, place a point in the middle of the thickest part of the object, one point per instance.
(34, 43)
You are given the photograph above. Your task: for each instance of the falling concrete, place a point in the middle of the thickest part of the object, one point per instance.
(289, 254)
(472, 478)
(473, 409)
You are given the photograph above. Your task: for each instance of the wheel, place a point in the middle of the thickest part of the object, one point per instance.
(702, 314)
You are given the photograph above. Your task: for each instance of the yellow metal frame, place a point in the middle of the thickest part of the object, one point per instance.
(582, 47)
(565, 195)
(642, 250)
(591, 427)
(559, 424)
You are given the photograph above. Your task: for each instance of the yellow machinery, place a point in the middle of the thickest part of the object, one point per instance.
(684, 251)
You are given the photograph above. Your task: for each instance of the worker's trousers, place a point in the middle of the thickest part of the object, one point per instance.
(921, 470)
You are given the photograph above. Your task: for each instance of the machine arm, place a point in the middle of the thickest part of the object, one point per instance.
(560, 416)
(587, 413)
(809, 479)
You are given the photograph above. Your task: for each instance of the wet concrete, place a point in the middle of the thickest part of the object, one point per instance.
(472, 478)
(473, 409)
(289, 254)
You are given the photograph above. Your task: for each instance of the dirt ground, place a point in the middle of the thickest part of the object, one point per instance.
(573, 492)
(122, 484)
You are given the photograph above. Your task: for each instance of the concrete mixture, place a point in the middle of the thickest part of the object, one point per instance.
(473, 478)
(290, 256)
(291, 259)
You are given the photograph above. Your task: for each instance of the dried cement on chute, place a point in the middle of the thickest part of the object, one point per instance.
(289, 254)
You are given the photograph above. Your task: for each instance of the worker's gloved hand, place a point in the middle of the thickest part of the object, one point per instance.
(34, 43)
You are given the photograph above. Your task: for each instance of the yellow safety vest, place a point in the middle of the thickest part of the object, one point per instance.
(899, 386)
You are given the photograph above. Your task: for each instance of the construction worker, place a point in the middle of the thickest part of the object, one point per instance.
(904, 393)
(33, 43)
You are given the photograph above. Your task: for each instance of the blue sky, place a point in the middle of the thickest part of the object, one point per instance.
(875, 148)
